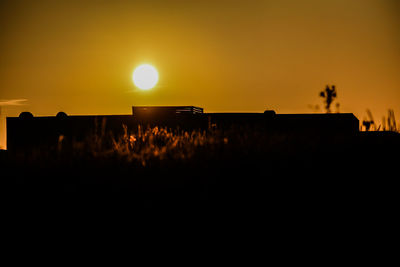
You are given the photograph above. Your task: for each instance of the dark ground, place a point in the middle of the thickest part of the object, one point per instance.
(312, 193)
(249, 173)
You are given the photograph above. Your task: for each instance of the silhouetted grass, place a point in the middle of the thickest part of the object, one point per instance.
(387, 123)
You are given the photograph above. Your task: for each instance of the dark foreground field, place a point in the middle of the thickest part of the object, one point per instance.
(235, 169)
(246, 187)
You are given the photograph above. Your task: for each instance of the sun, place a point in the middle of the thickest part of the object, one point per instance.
(145, 77)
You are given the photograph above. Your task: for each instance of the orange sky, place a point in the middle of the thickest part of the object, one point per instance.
(78, 56)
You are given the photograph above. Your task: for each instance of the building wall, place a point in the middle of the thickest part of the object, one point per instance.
(41, 132)
(44, 132)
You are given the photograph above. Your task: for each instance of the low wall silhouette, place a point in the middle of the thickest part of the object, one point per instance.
(27, 131)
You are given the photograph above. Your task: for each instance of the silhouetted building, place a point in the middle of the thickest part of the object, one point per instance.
(327, 123)
(170, 116)
(30, 131)
(144, 111)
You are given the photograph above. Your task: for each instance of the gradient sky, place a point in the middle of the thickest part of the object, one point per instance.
(77, 56)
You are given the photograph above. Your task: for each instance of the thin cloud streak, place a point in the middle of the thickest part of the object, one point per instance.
(13, 102)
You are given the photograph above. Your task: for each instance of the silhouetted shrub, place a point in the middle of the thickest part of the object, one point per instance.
(329, 96)
(388, 123)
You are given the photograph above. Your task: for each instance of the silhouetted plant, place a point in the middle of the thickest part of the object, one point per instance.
(329, 96)
(388, 124)
(391, 121)
(367, 123)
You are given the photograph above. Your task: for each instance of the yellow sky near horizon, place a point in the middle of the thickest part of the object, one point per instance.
(225, 56)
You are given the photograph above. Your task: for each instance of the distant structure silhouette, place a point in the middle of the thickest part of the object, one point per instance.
(61, 115)
(329, 96)
(26, 115)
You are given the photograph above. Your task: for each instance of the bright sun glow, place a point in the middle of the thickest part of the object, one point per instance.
(145, 77)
